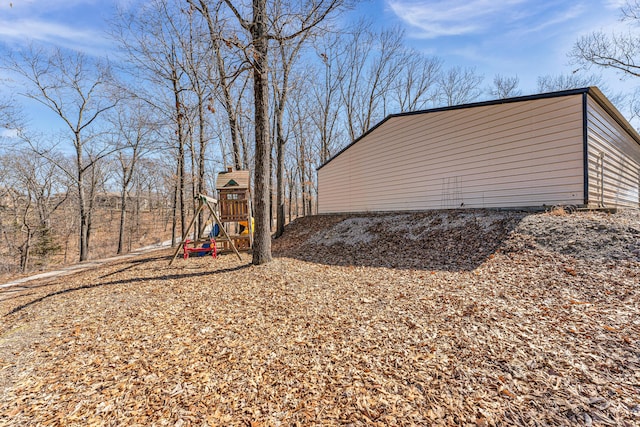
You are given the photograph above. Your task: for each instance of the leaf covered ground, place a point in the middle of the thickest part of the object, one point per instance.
(475, 318)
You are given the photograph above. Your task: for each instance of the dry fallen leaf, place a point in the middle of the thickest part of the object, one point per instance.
(371, 326)
(570, 270)
(507, 392)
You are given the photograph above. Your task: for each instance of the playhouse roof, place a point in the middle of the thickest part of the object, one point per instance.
(233, 180)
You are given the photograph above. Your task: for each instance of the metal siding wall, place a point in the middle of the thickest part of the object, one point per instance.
(520, 154)
(619, 168)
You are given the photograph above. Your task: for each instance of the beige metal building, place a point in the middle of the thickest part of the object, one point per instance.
(562, 148)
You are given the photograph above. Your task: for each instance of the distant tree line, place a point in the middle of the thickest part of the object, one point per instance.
(275, 87)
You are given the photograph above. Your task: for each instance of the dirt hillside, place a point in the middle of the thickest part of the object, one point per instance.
(459, 240)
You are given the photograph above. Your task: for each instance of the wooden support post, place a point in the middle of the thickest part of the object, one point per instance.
(193, 220)
(203, 201)
(222, 230)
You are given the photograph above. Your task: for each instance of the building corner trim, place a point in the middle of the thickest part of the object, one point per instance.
(585, 147)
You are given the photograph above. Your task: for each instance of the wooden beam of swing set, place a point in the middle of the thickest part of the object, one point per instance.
(204, 200)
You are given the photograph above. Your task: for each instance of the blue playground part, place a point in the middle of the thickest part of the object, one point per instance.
(204, 246)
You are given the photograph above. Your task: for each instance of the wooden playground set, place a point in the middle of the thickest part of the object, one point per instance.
(229, 215)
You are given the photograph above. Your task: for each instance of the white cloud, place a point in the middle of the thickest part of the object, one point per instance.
(42, 31)
(73, 24)
(8, 133)
(430, 19)
(20, 6)
(451, 17)
(615, 4)
(552, 20)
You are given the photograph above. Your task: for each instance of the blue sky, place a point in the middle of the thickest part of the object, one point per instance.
(527, 38)
(75, 24)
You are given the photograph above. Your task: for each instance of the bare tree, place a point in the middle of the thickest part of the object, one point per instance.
(77, 90)
(370, 66)
(504, 87)
(229, 70)
(459, 85)
(257, 28)
(287, 52)
(550, 83)
(31, 183)
(303, 17)
(326, 93)
(150, 36)
(415, 86)
(618, 51)
(8, 115)
(197, 65)
(634, 105)
(301, 114)
(134, 129)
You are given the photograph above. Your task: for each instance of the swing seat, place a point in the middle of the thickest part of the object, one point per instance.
(210, 247)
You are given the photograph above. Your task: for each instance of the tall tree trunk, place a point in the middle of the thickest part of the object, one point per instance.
(138, 208)
(180, 190)
(180, 116)
(245, 152)
(82, 205)
(123, 213)
(90, 206)
(174, 210)
(279, 178)
(233, 129)
(84, 233)
(272, 190)
(295, 195)
(291, 186)
(183, 213)
(262, 174)
(181, 157)
(26, 251)
(194, 183)
(202, 185)
(303, 178)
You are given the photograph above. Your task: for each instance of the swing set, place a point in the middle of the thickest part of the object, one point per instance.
(232, 223)
(210, 244)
